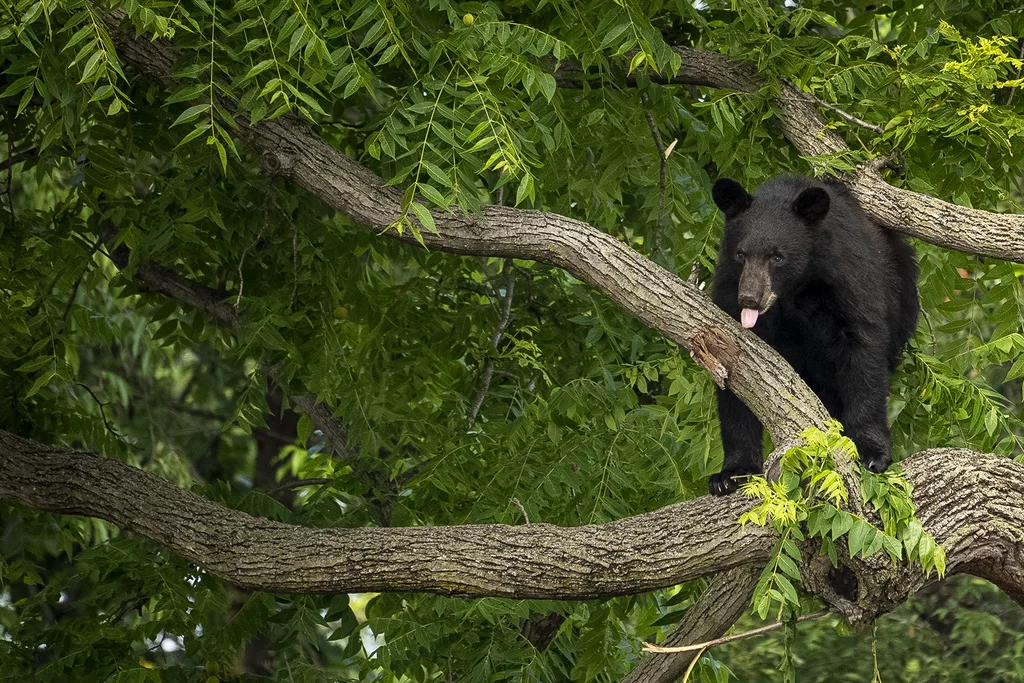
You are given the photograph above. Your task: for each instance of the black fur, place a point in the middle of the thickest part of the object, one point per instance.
(844, 306)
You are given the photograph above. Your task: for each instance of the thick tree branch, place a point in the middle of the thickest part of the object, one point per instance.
(981, 529)
(633, 555)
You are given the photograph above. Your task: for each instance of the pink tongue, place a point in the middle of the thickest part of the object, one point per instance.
(748, 316)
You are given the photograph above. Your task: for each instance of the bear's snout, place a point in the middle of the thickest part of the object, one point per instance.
(750, 301)
(755, 289)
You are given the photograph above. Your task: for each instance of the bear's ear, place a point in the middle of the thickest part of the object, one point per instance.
(812, 204)
(730, 197)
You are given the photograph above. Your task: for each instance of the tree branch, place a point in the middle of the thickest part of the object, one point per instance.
(18, 158)
(716, 610)
(981, 529)
(162, 280)
(633, 555)
(662, 163)
(321, 415)
(499, 332)
(680, 649)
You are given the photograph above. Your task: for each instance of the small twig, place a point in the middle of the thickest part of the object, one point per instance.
(894, 161)
(127, 606)
(662, 161)
(521, 509)
(931, 330)
(648, 647)
(506, 313)
(103, 413)
(1013, 90)
(506, 316)
(74, 293)
(876, 676)
(295, 264)
(298, 483)
(694, 273)
(845, 116)
(241, 261)
(14, 159)
(693, 664)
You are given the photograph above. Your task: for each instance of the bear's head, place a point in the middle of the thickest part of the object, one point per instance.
(769, 237)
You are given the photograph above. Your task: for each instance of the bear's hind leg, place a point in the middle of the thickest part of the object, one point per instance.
(862, 382)
(741, 441)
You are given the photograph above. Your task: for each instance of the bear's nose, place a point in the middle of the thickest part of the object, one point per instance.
(748, 300)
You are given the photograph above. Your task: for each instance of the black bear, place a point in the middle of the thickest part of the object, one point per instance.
(804, 268)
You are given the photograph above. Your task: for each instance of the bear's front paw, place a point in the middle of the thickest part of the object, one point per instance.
(728, 480)
(875, 458)
(722, 484)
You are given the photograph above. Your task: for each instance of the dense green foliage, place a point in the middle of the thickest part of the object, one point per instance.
(589, 416)
(806, 502)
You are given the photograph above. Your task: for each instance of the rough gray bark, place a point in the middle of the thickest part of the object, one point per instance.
(981, 528)
(636, 554)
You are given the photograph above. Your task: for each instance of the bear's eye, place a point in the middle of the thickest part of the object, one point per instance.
(776, 258)
(740, 256)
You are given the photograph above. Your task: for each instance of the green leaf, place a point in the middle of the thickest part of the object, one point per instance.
(424, 216)
(35, 364)
(548, 86)
(841, 524)
(525, 188)
(433, 195)
(191, 113)
(639, 59)
(912, 537)
(992, 421)
(613, 34)
(1016, 370)
(91, 67)
(41, 382)
(187, 93)
(25, 82)
(194, 133)
(860, 536)
(788, 566)
(437, 174)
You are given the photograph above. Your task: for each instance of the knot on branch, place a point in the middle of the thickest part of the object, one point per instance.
(894, 161)
(716, 352)
(277, 162)
(859, 589)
